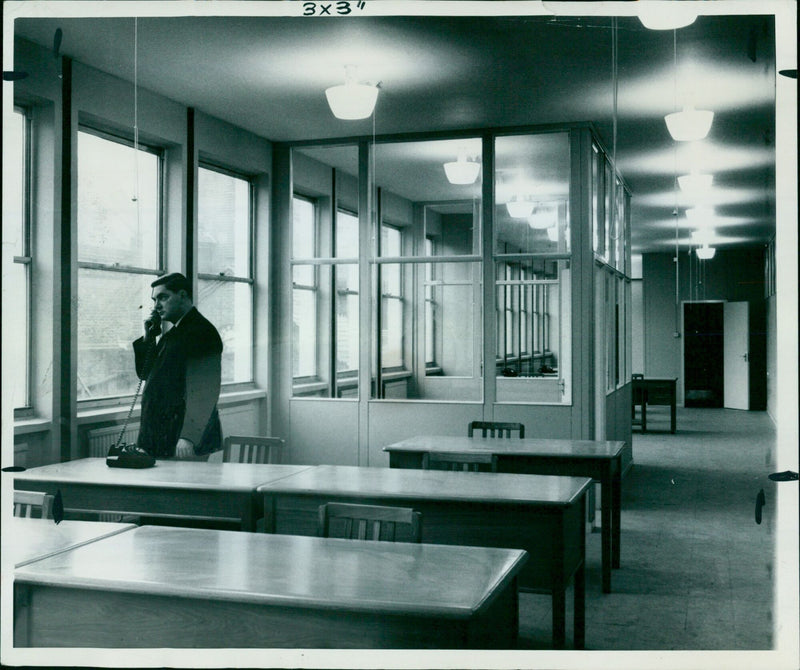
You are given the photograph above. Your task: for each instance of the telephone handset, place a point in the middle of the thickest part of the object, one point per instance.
(153, 323)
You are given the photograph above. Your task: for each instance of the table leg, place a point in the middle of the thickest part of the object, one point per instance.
(644, 413)
(672, 413)
(559, 616)
(616, 515)
(579, 615)
(606, 515)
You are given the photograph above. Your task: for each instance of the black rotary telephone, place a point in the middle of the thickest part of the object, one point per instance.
(130, 455)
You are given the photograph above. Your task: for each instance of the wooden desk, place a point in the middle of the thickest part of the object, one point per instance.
(172, 489)
(543, 515)
(655, 391)
(184, 587)
(577, 458)
(29, 540)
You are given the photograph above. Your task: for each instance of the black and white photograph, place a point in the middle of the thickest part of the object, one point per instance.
(400, 334)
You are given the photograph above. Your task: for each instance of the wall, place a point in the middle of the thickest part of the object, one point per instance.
(730, 275)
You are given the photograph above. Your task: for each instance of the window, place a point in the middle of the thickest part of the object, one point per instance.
(119, 255)
(17, 144)
(430, 307)
(304, 290)
(224, 266)
(391, 300)
(347, 345)
(532, 267)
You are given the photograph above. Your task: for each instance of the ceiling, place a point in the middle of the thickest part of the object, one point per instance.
(267, 74)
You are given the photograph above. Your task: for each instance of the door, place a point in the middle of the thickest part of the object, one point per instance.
(737, 355)
(703, 361)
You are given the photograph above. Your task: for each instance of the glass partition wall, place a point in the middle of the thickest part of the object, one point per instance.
(404, 279)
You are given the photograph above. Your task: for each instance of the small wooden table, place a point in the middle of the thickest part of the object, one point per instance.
(577, 458)
(540, 514)
(184, 587)
(655, 391)
(171, 489)
(29, 540)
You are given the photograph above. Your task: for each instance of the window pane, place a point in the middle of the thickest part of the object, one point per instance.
(411, 174)
(223, 224)
(14, 180)
(543, 374)
(112, 307)
(347, 345)
(346, 235)
(115, 219)
(229, 306)
(303, 239)
(15, 379)
(532, 187)
(304, 329)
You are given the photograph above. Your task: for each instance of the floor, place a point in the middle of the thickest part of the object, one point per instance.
(696, 569)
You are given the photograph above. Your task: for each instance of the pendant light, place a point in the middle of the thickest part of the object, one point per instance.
(695, 183)
(519, 208)
(351, 101)
(462, 171)
(705, 252)
(690, 124)
(665, 15)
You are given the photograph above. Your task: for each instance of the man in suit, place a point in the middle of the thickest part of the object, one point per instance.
(182, 369)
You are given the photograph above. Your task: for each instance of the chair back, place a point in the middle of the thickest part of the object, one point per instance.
(368, 522)
(33, 504)
(496, 428)
(469, 462)
(252, 449)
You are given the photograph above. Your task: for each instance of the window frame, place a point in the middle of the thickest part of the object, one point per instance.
(26, 259)
(250, 279)
(160, 153)
(314, 288)
(399, 298)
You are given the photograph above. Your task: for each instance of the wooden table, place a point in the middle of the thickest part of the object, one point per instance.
(655, 391)
(177, 490)
(161, 586)
(540, 514)
(29, 540)
(577, 458)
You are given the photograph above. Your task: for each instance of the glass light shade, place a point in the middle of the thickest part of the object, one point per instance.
(462, 171)
(541, 220)
(695, 182)
(700, 215)
(552, 233)
(705, 253)
(703, 236)
(665, 15)
(518, 208)
(351, 101)
(690, 124)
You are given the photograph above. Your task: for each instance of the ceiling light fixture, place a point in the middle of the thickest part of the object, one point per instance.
(695, 182)
(690, 124)
(665, 15)
(351, 101)
(463, 170)
(519, 208)
(705, 252)
(700, 215)
(545, 216)
(703, 236)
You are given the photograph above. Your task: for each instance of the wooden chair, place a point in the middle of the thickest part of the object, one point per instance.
(252, 449)
(33, 504)
(496, 429)
(475, 462)
(368, 522)
(638, 397)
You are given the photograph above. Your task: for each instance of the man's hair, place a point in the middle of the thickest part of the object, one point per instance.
(174, 282)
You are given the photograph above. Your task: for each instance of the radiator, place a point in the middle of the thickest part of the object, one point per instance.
(100, 439)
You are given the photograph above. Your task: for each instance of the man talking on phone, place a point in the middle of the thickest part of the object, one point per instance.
(181, 365)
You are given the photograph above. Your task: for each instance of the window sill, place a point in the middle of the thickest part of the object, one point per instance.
(118, 413)
(31, 425)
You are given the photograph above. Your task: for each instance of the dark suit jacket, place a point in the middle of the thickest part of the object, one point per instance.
(182, 374)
